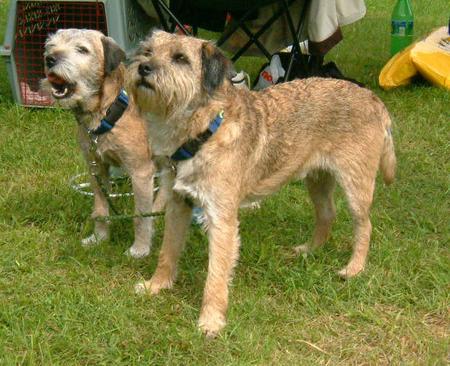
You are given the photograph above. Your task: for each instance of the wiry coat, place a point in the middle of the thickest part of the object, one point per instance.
(322, 130)
(84, 73)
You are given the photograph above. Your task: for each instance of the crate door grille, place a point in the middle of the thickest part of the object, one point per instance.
(35, 20)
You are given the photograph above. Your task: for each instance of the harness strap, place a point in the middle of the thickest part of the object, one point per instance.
(113, 114)
(192, 146)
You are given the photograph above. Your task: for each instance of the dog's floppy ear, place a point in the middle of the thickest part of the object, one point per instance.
(215, 67)
(151, 32)
(113, 54)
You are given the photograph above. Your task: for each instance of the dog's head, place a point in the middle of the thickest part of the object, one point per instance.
(170, 73)
(77, 62)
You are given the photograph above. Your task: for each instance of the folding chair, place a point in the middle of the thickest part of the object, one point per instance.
(240, 11)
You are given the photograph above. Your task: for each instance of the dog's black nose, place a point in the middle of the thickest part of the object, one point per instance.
(145, 69)
(50, 61)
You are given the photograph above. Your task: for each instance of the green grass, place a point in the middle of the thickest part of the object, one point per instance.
(62, 304)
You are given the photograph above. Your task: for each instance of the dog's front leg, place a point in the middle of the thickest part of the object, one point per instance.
(177, 220)
(101, 207)
(165, 182)
(166, 179)
(98, 171)
(142, 182)
(224, 242)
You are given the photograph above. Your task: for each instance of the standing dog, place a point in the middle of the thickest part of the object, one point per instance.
(84, 73)
(322, 130)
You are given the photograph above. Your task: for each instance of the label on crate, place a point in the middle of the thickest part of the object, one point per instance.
(34, 17)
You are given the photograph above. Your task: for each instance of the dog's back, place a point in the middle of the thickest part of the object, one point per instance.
(330, 122)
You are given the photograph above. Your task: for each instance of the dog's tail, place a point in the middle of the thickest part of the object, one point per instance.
(388, 160)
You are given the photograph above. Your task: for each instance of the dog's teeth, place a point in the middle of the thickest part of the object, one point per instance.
(59, 93)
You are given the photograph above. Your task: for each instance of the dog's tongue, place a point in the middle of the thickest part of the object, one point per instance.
(55, 79)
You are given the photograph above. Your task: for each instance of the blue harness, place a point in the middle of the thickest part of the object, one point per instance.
(113, 114)
(191, 147)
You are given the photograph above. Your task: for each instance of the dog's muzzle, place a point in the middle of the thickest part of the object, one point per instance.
(145, 84)
(61, 88)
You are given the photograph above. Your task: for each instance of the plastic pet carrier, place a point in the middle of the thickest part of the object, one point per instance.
(30, 22)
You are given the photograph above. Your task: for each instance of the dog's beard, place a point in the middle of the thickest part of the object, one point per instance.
(69, 90)
(164, 97)
(147, 100)
(81, 95)
(76, 96)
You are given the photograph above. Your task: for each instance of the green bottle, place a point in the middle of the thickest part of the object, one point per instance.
(402, 26)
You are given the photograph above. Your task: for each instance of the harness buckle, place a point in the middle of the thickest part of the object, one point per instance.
(173, 166)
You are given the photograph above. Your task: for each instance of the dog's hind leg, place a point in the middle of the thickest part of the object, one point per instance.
(177, 219)
(359, 190)
(142, 182)
(320, 185)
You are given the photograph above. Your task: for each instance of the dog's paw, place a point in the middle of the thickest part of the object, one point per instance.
(140, 288)
(138, 251)
(350, 271)
(251, 205)
(92, 240)
(211, 323)
(152, 287)
(302, 249)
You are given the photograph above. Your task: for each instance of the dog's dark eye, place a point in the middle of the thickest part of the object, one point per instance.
(82, 49)
(180, 58)
(148, 53)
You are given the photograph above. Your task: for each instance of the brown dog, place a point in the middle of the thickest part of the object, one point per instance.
(320, 130)
(84, 73)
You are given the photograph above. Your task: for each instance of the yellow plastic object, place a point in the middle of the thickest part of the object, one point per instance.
(432, 60)
(429, 57)
(398, 71)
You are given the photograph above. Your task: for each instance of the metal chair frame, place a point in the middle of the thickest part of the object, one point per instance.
(172, 22)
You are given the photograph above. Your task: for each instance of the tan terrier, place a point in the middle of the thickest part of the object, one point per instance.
(321, 130)
(84, 73)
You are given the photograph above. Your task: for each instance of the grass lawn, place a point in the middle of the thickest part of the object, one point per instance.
(63, 304)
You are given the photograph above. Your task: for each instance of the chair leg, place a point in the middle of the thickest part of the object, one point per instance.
(315, 63)
(159, 6)
(162, 10)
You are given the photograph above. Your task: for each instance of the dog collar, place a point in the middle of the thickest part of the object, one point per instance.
(113, 114)
(190, 148)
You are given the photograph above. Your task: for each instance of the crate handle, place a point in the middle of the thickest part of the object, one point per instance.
(5, 50)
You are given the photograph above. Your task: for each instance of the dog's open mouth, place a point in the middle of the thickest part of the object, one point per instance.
(61, 88)
(145, 84)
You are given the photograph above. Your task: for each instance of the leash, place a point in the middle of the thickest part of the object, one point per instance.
(94, 173)
(110, 218)
(107, 123)
(186, 151)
